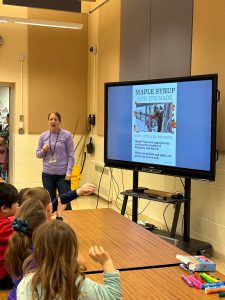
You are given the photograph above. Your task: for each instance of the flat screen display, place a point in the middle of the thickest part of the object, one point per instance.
(164, 126)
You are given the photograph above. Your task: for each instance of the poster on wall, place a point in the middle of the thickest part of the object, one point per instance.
(65, 5)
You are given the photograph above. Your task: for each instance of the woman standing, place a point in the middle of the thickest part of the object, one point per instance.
(56, 149)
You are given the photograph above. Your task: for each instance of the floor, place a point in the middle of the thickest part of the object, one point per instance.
(90, 202)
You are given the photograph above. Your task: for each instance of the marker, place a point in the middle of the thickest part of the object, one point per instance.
(195, 279)
(198, 277)
(210, 277)
(213, 284)
(213, 276)
(195, 282)
(215, 290)
(205, 277)
(187, 280)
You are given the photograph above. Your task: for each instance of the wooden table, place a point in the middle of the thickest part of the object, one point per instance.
(129, 244)
(155, 284)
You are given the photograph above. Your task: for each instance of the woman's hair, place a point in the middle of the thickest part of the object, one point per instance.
(55, 256)
(37, 193)
(30, 215)
(57, 114)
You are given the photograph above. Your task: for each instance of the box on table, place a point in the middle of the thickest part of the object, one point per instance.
(198, 263)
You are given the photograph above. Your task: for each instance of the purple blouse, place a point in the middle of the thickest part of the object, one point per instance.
(61, 149)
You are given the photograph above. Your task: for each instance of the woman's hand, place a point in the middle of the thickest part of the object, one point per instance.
(45, 148)
(99, 255)
(68, 176)
(86, 189)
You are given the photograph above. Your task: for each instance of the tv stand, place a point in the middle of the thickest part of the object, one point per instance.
(184, 242)
(160, 198)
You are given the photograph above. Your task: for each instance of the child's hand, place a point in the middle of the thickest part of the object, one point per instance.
(60, 208)
(99, 255)
(86, 189)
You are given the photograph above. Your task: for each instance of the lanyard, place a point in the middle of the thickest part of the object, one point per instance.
(52, 152)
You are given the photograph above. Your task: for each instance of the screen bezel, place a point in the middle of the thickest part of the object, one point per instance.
(162, 169)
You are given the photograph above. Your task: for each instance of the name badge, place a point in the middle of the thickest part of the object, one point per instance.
(52, 160)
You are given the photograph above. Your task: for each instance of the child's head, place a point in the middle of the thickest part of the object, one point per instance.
(20, 195)
(55, 255)
(8, 199)
(30, 215)
(37, 193)
(33, 212)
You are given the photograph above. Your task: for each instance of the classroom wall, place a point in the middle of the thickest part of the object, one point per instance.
(57, 67)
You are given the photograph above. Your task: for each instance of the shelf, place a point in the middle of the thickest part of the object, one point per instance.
(153, 198)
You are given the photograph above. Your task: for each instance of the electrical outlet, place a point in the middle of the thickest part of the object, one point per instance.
(21, 131)
(93, 49)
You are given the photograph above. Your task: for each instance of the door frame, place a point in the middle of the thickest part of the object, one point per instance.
(11, 163)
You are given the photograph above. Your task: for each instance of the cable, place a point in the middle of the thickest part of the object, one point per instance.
(117, 192)
(75, 129)
(182, 225)
(110, 185)
(82, 150)
(182, 182)
(85, 155)
(149, 201)
(86, 130)
(164, 216)
(122, 179)
(99, 185)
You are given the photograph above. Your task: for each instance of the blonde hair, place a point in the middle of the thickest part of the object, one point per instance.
(37, 193)
(55, 255)
(20, 242)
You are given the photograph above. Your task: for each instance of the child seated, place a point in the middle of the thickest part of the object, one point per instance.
(40, 193)
(19, 245)
(56, 274)
(30, 215)
(8, 208)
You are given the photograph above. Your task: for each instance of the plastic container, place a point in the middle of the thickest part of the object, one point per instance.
(75, 177)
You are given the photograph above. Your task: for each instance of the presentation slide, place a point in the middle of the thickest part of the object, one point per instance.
(154, 123)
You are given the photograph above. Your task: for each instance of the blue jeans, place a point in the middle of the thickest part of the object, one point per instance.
(52, 183)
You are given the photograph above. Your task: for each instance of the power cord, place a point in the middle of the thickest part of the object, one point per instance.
(99, 185)
(165, 217)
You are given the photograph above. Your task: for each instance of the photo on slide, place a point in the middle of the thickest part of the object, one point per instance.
(154, 117)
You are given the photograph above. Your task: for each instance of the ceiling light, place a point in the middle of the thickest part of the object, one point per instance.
(46, 23)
